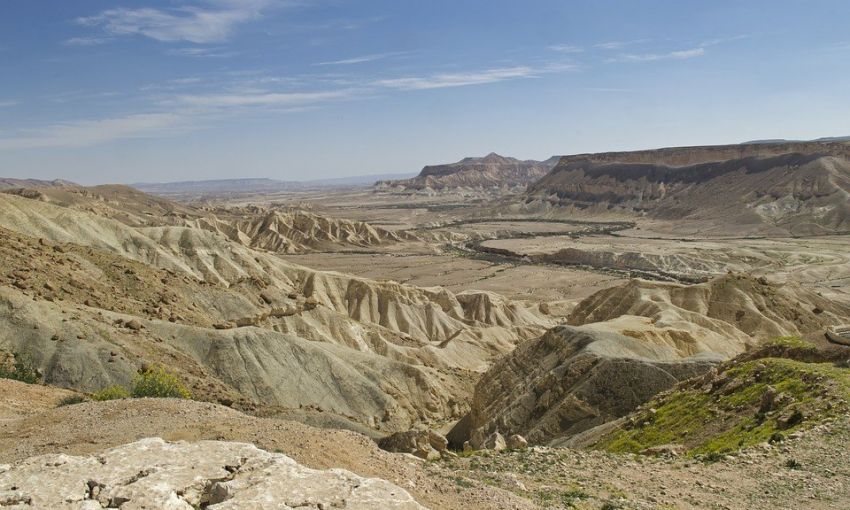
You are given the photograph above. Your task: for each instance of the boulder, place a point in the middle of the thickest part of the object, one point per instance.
(495, 442)
(516, 442)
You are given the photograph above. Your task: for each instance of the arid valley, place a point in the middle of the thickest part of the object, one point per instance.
(648, 329)
(395, 255)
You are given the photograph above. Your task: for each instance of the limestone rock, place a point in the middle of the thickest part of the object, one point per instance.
(495, 442)
(665, 450)
(152, 473)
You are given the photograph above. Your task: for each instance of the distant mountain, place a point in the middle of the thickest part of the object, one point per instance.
(256, 185)
(800, 187)
(6, 183)
(782, 140)
(490, 171)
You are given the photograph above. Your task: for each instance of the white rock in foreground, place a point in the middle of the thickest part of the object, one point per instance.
(152, 473)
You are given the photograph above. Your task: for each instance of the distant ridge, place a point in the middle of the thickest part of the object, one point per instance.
(489, 171)
(256, 185)
(783, 140)
(799, 187)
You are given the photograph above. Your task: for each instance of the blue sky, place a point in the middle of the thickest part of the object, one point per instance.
(159, 90)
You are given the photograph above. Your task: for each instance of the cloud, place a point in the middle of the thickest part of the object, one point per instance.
(617, 45)
(566, 48)
(7, 104)
(654, 57)
(86, 41)
(85, 133)
(723, 40)
(265, 99)
(359, 60)
(202, 52)
(202, 25)
(458, 79)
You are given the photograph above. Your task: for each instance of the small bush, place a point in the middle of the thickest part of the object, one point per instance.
(22, 370)
(157, 383)
(111, 393)
(71, 400)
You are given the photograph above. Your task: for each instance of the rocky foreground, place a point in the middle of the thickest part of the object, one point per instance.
(152, 473)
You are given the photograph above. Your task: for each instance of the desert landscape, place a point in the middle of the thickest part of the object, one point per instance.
(460, 345)
(485, 255)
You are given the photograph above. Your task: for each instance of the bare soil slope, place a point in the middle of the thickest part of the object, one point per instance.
(91, 299)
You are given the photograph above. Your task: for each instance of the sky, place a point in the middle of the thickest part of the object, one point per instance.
(126, 91)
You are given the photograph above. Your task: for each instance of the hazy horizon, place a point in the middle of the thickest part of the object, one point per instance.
(160, 91)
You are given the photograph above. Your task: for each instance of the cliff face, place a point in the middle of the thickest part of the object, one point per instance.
(802, 187)
(492, 170)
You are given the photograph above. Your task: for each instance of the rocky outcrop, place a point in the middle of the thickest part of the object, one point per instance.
(570, 380)
(421, 442)
(487, 172)
(152, 473)
(723, 315)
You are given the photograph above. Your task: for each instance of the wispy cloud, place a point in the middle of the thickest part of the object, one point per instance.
(437, 81)
(7, 103)
(566, 48)
(265, 99)
(85, 133)
(360, 60)
(214, 22)
(654, 57)
(86, 41)
(618, 45)
(202, 52)
(723, 40)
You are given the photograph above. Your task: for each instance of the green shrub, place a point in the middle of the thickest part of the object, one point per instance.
(111, 393)
(157, 383)
(71, 400)
(22, 369)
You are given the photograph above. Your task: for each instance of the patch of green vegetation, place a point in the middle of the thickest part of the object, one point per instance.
(111, 393)
(21, 369)
(791, 342)
(728, 416)
(156, 382)
(682, 412)
(71, 400)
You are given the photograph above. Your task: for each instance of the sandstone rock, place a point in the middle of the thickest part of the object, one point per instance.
(467, 447)
(152, 473)
(438, 441)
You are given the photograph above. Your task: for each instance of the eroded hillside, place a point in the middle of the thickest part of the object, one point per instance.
(801, 188)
